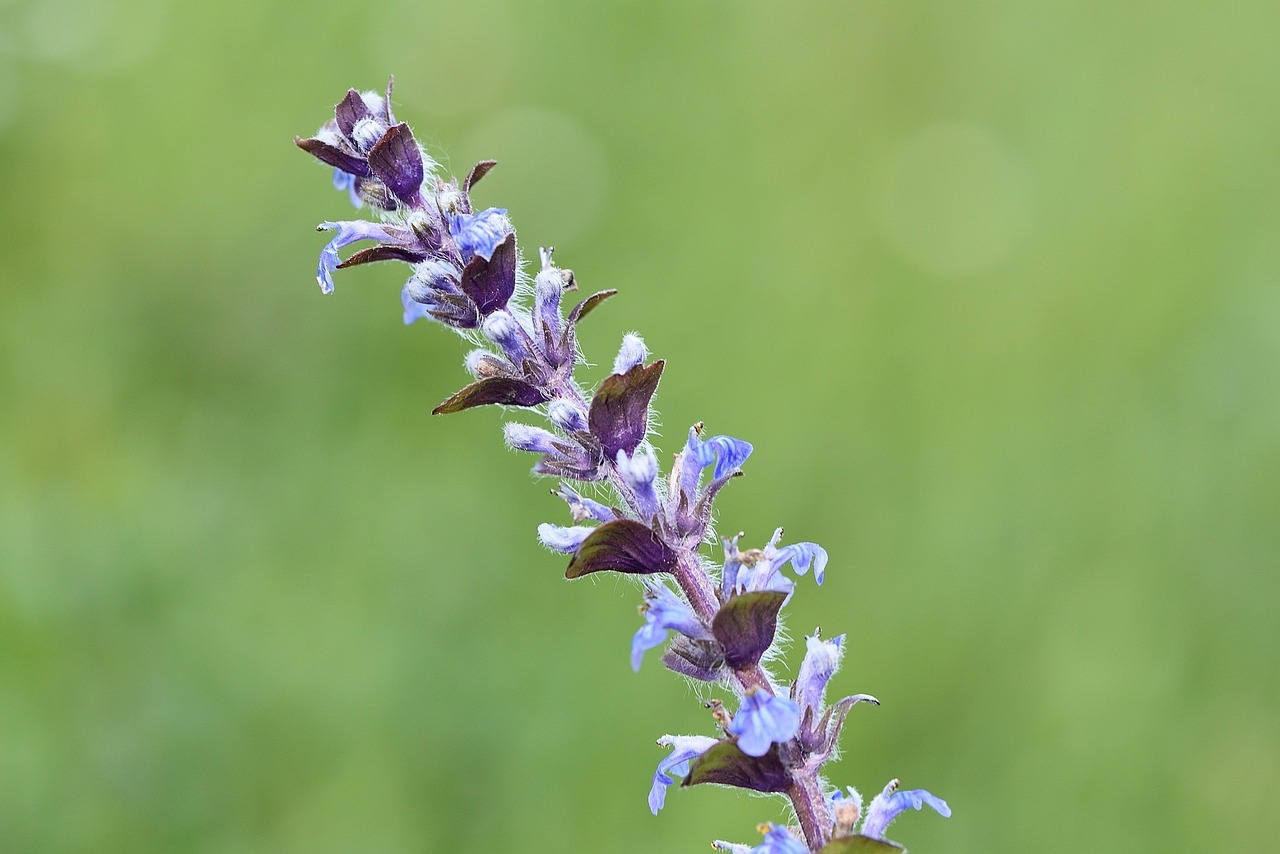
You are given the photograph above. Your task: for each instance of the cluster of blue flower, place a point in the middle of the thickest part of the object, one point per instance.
(467, 274)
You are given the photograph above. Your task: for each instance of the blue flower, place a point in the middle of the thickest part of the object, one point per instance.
(663, 610)
(800, 555)
(890, 803)
(821, 660)
(478, 235)
(778, 840)
(684, 749)
(762, 720)
(725, 451)
(349, 231)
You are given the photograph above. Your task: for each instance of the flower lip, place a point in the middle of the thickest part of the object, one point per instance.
(349, 231)
(684, 749)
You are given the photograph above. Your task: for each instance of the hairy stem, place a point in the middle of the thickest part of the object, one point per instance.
(811, 809)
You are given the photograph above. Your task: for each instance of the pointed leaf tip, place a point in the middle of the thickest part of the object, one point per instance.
(477, 172)
(589, 304)
(333, 156)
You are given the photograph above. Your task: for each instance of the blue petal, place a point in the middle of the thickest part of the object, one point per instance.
(762, 720)
(684, 749)
(801, 555)
(891, 803)
(821, 660)
(349, 231)
(779, 840)
(646, 638)
(523, 437)
(663, 610)
(726, 452)
(413, 311)
(479, 234)
(347, 181)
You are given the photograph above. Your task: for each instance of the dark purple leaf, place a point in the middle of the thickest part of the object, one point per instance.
(701, 660)
(727, 765)
(621, 546)
(491, 283)
(745, 626)
(383, 252)
(861, 845)
(503, 390)
(397, 161)
(477, 172)
(350, 110)
(333, 156)
(619, 413)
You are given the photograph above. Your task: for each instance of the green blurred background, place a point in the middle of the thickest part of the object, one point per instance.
(992, 287)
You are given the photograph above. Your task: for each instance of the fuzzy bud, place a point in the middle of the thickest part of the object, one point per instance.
(522, 437)
(640, 470)
(504, 330)
(632, 353)
(566, 415)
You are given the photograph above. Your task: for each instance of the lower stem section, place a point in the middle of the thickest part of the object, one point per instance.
(811, 810)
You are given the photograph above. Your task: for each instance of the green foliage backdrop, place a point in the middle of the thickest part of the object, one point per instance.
(992, 286)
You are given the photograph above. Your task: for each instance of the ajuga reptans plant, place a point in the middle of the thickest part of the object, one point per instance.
(717, 622)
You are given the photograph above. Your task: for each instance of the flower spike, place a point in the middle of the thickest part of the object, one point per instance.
(722, 628)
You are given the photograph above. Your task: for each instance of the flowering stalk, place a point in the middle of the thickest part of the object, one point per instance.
(468, 275)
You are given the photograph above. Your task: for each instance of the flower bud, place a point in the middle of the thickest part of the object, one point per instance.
(504, 330)
(522, 437)
(632, 353)
(566, 415)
